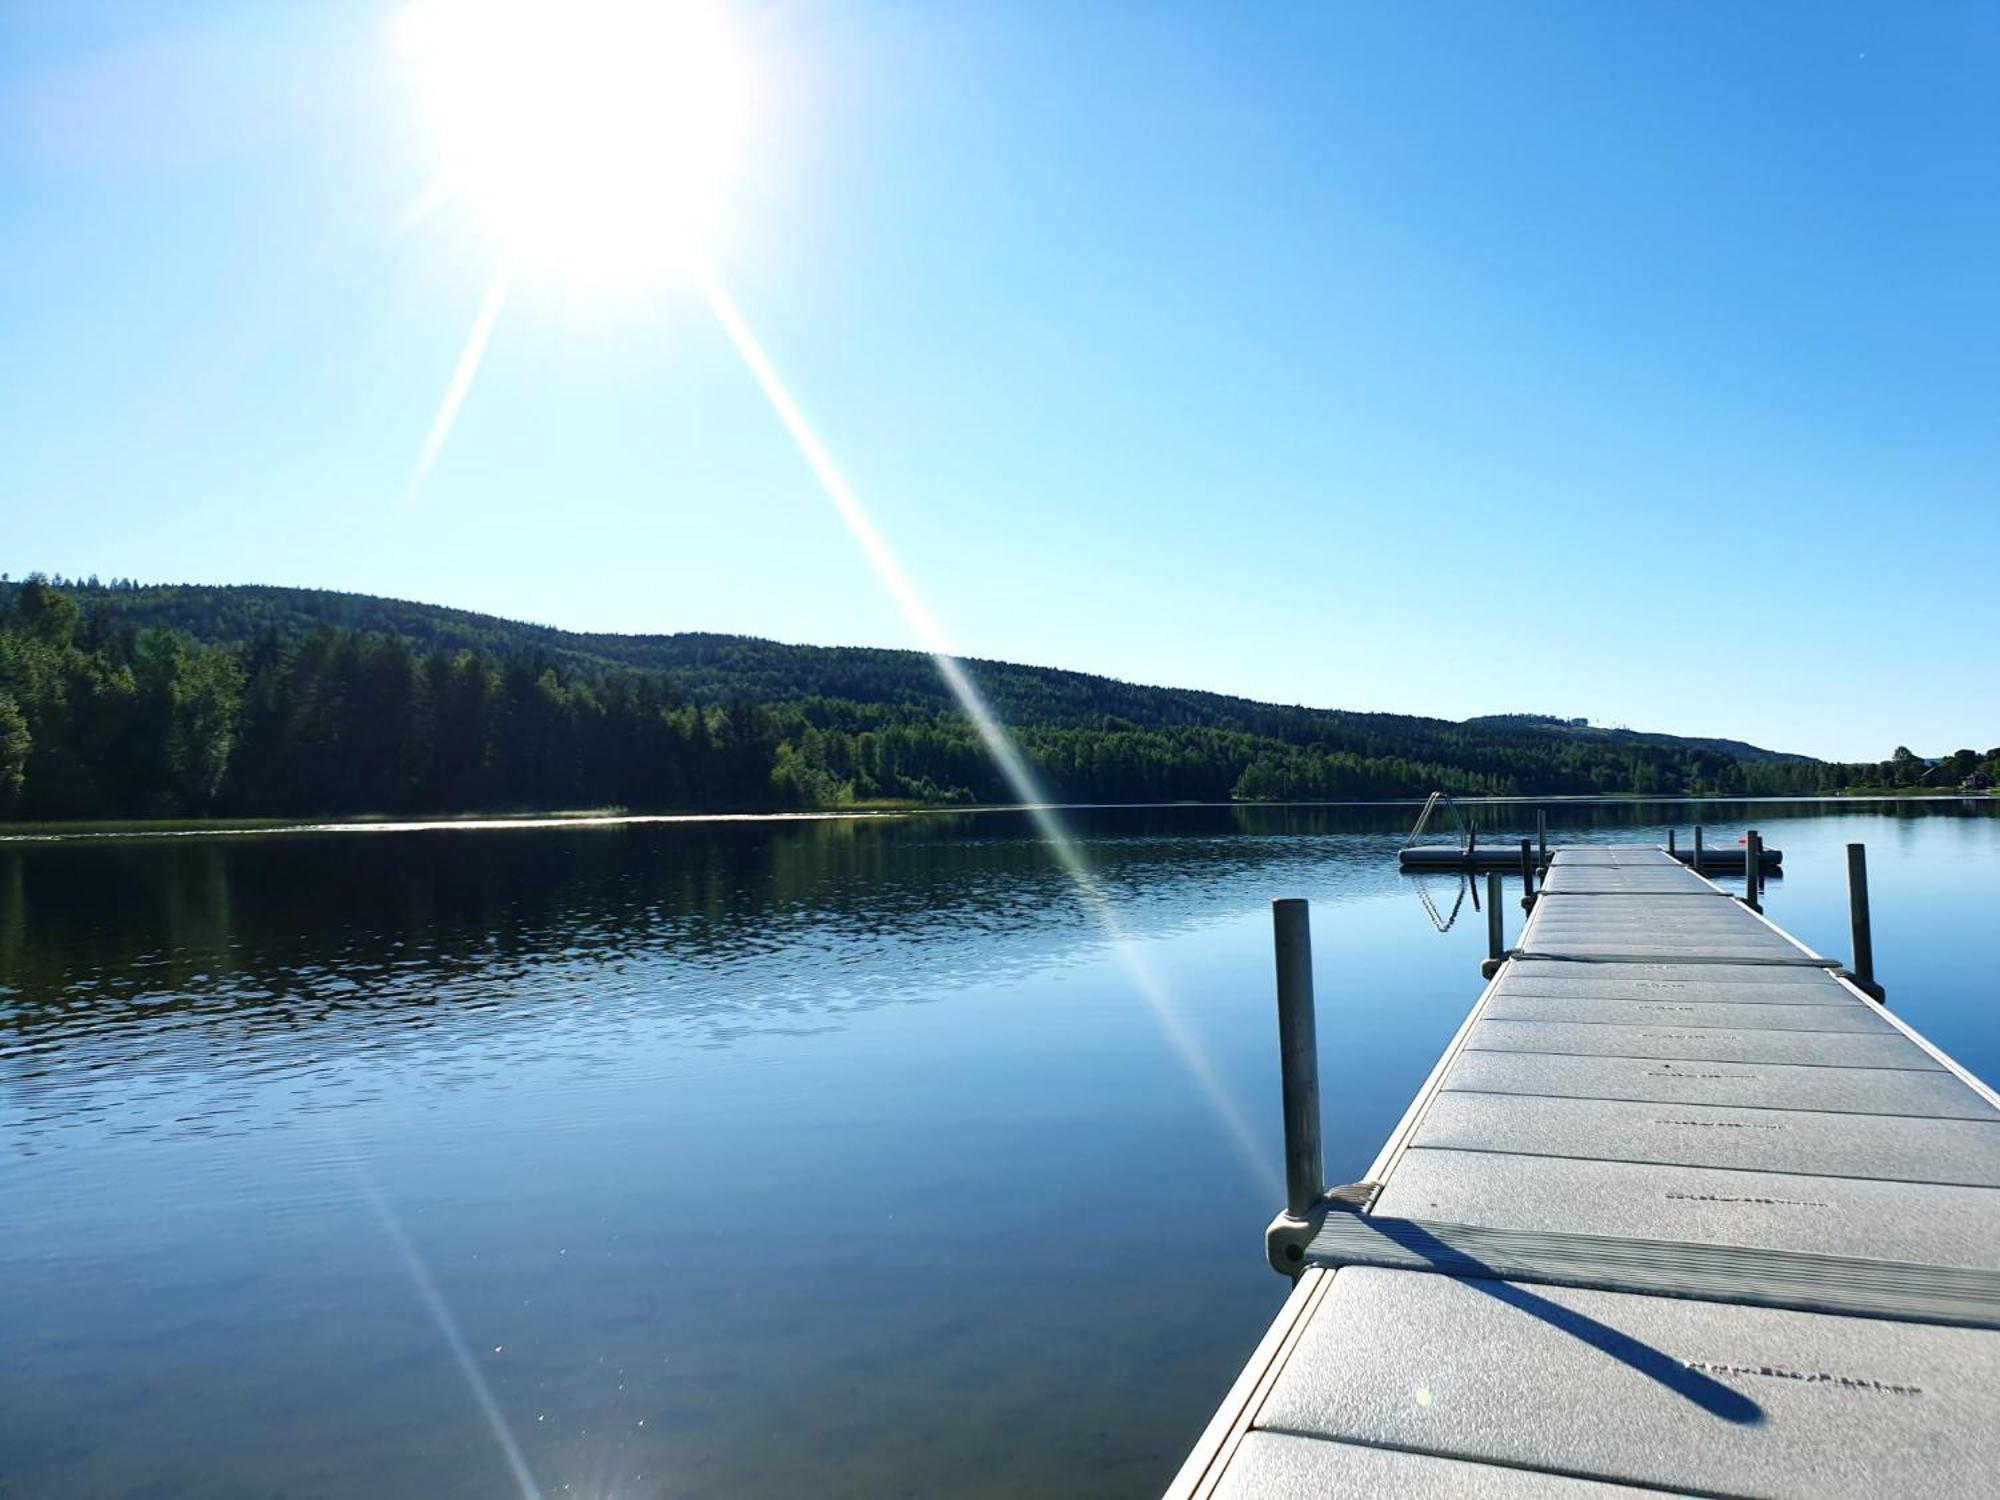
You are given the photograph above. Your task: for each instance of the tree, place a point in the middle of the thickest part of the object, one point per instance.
(184, 723)
(14, 742)
(46, 614)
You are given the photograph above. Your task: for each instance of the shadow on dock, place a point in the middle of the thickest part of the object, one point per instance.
(1712, 1396)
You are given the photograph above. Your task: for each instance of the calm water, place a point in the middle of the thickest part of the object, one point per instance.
(807, 1158)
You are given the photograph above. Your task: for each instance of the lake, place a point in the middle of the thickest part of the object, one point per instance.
(712, 1159)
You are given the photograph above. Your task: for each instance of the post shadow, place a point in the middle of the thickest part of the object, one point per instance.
(1711, 1395)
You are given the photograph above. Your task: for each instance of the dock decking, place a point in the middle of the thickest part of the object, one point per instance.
(1679, 1211)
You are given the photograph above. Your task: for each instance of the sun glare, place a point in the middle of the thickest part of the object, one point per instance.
(598, 136)
(594, 138)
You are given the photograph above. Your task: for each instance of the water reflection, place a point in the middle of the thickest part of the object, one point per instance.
(232, 957)
(1461, 888)
(748, 1158)
(130, 966)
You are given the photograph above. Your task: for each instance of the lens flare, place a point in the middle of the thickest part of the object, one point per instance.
(469, 359)
(448, 1330)
(999, 744)
(597, 139)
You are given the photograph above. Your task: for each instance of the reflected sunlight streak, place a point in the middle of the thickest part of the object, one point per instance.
(993, 735)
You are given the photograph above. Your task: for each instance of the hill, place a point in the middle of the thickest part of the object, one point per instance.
(719, 669)
(321, 701)
(1583, 730)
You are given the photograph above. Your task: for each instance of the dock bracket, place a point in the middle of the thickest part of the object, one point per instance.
(1867, 987)
(1286, 1241)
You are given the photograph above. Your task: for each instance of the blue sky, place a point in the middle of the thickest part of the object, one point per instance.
(1632, 361)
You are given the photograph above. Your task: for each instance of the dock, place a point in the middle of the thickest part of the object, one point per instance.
(1723, 860)
(1467, 855)
(1681, 1210)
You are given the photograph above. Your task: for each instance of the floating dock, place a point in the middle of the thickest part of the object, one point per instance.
(1681, 1210)
(1506, 858)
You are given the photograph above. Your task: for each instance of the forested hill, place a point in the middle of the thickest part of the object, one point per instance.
(124, 699)
(717, 670)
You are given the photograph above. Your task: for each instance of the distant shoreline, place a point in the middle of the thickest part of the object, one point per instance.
(111, 828)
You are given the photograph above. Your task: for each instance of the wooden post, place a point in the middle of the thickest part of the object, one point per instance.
(1753, 866)
(1696, 866)
(1857, 912)
(1670, 843)
(1496, 941)
(1298, 1056)
(1542, 832)
(1527, 876)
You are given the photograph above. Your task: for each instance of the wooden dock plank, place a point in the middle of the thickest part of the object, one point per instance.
(1645, 1390)
(1835, 1015)
(1870, 1091)
(1925, 1223)
(1670, 1039)
(1282, 1466)
(1893, 1148)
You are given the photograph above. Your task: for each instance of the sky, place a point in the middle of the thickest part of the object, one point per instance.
(1638, 362)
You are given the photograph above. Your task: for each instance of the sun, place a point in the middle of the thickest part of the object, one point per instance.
(595, 139)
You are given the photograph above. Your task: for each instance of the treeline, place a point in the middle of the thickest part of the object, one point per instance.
(98, 720)
(1904, 771)
(716, 670)
(101, 716)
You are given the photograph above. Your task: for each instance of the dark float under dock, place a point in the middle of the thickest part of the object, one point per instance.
(1506, 858)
